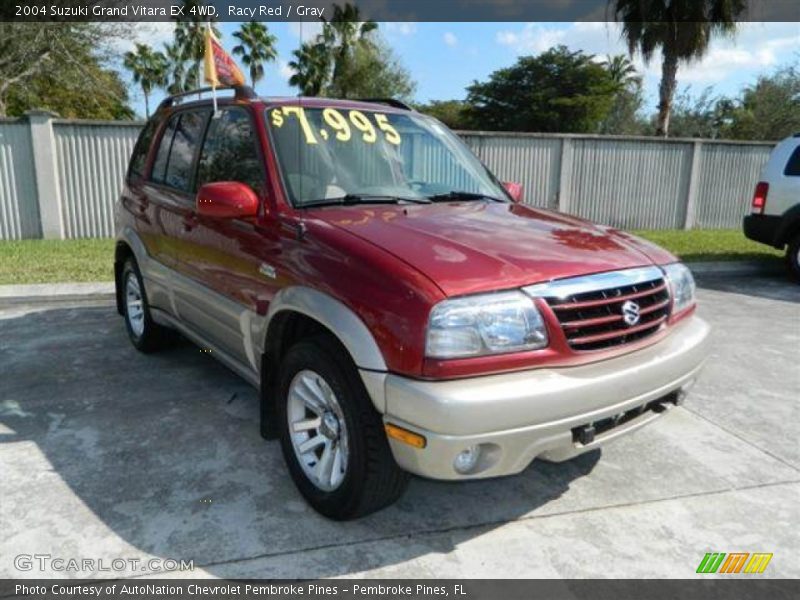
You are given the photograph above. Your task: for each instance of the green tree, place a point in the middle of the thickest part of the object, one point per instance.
(70, 99)
(178, 78)
(311, 66)
(373, 71)
(622, 71)
(349, 60)
(699, 116)
(149, 70)
(65, 67)
(453, 113)
(346, 33)
(256, 47)
(625, 117)
(681, 29)
(558, 90)
(185, 54)
(769, 109)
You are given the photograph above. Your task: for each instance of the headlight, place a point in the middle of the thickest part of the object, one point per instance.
(484, 324)
(681, 285)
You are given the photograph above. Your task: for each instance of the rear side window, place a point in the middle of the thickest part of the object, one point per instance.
(174, 164)
(230, 152)
(793, 166)
(140, 151)
(160, 163)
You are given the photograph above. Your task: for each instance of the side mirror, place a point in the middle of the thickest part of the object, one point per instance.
(226, 200)
(515, 190)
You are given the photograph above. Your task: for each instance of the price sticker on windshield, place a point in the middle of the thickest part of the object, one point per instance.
(335, 125)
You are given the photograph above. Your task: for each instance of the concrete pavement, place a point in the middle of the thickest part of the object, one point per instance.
(107, 453)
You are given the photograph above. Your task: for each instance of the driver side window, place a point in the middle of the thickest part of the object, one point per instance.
(230, 151)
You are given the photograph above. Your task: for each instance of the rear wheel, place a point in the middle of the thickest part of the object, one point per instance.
(146, 335)
(793, 257)
(332, 437)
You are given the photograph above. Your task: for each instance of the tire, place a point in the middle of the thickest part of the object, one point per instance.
(145, 335)
(793, 257)
(363, 476)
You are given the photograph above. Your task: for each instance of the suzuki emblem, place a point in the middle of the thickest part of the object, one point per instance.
(630, 313)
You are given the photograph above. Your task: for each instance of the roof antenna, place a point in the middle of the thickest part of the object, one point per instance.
(209, 68)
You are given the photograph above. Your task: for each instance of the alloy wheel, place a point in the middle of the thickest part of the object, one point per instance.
(318, 430)
(134, 304)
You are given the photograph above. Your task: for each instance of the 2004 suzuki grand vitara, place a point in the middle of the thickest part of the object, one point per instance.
(399, 309)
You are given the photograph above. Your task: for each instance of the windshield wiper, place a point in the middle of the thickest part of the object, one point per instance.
(351, 199)
(461, 195)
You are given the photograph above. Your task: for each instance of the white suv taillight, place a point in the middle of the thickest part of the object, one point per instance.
(760, 198)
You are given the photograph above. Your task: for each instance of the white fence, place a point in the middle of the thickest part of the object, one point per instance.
(60, 178)
(630, 182)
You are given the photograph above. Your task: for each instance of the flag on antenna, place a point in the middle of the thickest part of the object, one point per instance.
(219, 68)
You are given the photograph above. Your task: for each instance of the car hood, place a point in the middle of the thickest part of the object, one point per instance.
(468, 247)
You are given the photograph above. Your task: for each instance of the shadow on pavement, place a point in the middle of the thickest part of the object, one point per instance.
(161, 454)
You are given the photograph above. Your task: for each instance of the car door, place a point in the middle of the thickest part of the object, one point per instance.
(170, 190)
(231, 258)
(144, 218)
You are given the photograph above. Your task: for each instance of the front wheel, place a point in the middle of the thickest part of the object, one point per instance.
(793, 257)
(332, 437)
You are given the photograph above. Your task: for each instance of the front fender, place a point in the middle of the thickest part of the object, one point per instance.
(335, 316)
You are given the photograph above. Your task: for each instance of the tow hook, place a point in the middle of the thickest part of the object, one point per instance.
(584, 435)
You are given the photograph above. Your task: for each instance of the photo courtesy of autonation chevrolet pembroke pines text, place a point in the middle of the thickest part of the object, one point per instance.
(385, 299)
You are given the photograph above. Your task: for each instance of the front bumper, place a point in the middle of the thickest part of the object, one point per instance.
(517, 417)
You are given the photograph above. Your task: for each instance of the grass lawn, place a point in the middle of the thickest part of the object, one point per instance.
(47, 261)
(710, 244)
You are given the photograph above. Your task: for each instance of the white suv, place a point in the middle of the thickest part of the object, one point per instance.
(775, 218)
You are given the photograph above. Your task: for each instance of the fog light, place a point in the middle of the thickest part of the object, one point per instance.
(467, 459)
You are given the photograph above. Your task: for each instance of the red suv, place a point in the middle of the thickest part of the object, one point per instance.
(397, 307)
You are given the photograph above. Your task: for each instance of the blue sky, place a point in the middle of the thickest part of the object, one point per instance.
(444, 58)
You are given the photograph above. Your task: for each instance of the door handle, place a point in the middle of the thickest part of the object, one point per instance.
(189, 222)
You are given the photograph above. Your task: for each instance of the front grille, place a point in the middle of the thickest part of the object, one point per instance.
(594, 319)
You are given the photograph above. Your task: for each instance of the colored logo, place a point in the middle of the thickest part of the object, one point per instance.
(735, 562)
(630, 313)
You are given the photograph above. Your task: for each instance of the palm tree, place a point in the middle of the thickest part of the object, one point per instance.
(176, 69)
(149, 70)
(621, 71)
(323, 66)
(344, 32)
(256, 48)
(681, 29)
(189, 40)
(311, 68)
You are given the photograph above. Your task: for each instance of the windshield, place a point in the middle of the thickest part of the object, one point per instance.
(337, 155)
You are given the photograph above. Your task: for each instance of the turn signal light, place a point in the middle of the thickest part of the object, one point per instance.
(760, 197)
(405, 436)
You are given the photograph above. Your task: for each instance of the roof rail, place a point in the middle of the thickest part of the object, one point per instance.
(388, 102)
(242, 92)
